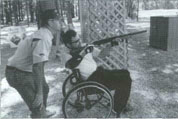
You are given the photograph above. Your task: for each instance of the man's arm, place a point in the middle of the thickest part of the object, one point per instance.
(101, 53)
(38, 70)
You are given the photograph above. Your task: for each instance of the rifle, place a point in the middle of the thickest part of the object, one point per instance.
(110, 39)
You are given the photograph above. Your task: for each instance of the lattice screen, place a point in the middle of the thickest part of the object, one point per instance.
(101, 19)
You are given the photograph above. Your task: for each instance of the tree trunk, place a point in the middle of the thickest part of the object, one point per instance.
(27, 11)
(2, 18)
(31, 9)
(69, 12)
(6, 11)
(57, 6)
(62, 8)
(78, 9)
(138, 6)
(19, 18)
(156, 4)
(168, 4)
(72, 8)
(60, 2)
(21, 11)
(145, 2)
(15, 11)
(10, 13)
(38, 12)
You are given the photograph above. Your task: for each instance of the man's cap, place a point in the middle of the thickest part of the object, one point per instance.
(49, 14)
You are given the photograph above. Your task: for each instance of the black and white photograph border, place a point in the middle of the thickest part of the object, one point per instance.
(144, 39)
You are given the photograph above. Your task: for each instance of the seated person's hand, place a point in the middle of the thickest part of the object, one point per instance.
(73, 62)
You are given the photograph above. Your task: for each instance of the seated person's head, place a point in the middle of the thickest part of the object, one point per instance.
(71, 39)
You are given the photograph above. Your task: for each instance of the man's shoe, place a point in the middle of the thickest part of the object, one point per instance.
(48, 114)
(128, 108)
(116, 113)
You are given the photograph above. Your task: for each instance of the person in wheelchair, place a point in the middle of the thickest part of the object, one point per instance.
(83, 59)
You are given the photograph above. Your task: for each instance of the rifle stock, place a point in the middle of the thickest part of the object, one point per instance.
(106, 40)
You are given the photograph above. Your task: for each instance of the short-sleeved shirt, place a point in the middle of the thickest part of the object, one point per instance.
(88, 65)
(33, 49)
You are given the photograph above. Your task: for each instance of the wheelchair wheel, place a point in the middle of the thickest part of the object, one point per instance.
(88, 100)
(68, 84)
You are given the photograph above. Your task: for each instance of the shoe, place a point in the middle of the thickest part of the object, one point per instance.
(48, 114)
(116, 113)
(128, 108)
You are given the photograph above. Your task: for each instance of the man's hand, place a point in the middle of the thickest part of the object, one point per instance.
(38, 100)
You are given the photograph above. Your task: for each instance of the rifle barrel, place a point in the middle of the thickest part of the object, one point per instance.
(106, 40)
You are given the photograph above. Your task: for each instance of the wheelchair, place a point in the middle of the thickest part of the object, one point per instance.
(85, 99)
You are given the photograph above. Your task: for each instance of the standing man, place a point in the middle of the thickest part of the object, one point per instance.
(25, 69)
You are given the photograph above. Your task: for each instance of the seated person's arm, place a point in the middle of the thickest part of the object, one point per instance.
(96, 52)
(101, 52)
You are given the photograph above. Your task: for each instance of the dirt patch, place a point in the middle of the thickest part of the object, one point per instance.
(154, 73)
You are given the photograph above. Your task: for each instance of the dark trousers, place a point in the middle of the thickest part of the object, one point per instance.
(118, 80)
(24, 83)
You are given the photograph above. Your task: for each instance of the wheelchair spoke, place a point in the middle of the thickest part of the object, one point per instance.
(87, 101)
(105, 98)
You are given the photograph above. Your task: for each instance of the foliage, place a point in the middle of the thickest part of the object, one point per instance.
(159, 4)
(131, 7)
(15, 12)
